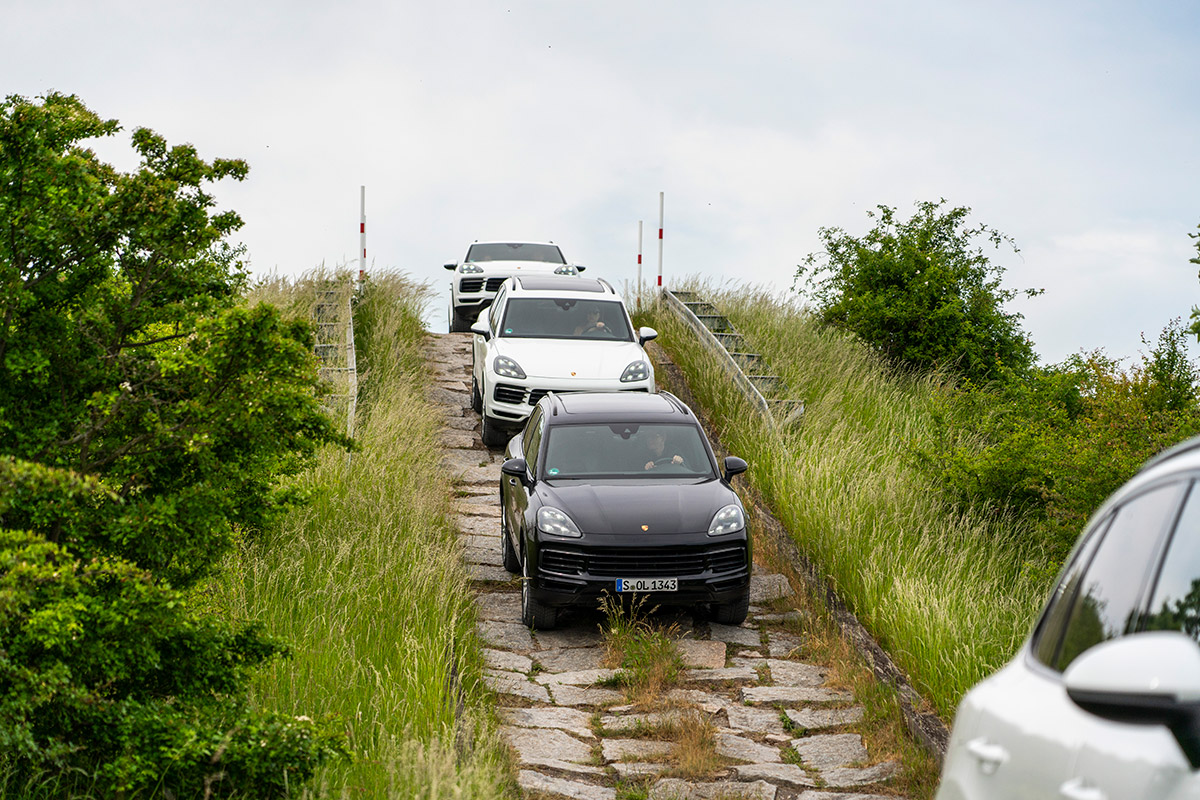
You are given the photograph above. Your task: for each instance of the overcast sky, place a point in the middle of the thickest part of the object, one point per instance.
(1073, 127)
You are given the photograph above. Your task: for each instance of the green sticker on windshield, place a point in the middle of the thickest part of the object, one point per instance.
(508, 330)
(553, 471)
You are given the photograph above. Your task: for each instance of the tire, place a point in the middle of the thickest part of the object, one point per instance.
(492, 434)
(732, 613)
(511, 562)
(476, 398)
(534, 615)
(457, 323)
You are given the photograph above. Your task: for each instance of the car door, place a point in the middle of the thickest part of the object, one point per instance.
(516, 492)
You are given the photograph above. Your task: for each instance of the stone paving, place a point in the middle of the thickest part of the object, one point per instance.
(780, 733)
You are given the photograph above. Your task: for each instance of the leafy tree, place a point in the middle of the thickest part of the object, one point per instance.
(922, 291)
(144, 414)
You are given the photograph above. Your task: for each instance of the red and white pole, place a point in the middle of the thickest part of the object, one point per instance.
(639, 279)
(660, 238)
(362, 232)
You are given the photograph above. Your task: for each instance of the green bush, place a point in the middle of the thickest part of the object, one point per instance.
(1055, 444)
(144, 413)
(922, 292)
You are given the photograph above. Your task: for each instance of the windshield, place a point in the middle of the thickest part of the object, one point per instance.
(624, 450)
(546, 253)
(562, 318)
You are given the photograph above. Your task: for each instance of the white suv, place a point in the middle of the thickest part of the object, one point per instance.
(1103, 701)
(548, 333)
(486, 266)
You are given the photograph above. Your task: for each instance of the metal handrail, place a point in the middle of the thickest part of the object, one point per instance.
(706, 337)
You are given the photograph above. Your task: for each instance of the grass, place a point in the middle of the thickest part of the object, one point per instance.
(949, 591)
(645, 653)
(367, 584)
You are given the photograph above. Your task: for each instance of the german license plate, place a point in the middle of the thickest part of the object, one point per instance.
(647, 584)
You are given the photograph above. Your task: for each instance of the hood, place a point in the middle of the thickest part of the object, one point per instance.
(623, 507)
(559, 358)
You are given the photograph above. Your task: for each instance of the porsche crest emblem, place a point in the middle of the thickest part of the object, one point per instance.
(572, 374)
(645, 527)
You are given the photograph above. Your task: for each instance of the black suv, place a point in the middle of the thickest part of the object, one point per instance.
(621, 493)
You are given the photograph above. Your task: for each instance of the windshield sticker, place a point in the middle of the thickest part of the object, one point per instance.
(508, 330)
(553, 471)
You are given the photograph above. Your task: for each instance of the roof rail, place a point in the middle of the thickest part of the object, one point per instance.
(1183, 447)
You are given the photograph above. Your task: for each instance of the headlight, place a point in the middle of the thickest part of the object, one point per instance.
(507, 367)
(727, 520)
(566, 269)
(637, 371)
(551, 520)
(470, 269)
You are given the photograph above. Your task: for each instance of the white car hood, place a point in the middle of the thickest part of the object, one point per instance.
(570, 358)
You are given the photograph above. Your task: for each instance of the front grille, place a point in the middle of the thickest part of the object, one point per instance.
(493, 284)
(637, 562)
(470, 285)
(504, 393)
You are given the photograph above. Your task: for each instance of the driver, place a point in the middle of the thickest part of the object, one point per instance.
(658, 451)
(591, 324)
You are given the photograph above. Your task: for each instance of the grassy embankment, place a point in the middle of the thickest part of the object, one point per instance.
(950, 592)
(368, 585)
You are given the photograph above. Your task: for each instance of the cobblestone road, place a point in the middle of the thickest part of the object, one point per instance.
(780, 731)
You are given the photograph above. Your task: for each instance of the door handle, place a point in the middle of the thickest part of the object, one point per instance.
(990, 756)
(1081, 789)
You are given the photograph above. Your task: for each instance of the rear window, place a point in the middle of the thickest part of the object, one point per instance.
(504, 251)
(624, 450)
(565, 318)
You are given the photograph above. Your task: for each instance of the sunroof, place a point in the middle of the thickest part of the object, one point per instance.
(552, 282)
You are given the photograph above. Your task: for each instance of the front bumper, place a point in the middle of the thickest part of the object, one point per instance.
(578, 575)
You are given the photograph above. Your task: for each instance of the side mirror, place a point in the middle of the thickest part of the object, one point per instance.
(481, 327)
(646, 335)
(451, 266)
(516, 468)
(1150, 678)
(579, 268)
(734, 466)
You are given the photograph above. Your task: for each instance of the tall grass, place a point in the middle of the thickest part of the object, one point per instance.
(368, 585)
(949, 591)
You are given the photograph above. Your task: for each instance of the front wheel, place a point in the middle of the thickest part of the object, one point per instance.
(535, 615)
(492, 434)
(732, 613)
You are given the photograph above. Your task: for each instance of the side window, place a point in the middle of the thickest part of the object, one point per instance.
(533, 439)
(1107, 602)
(1175, 604)
(1058, 608)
